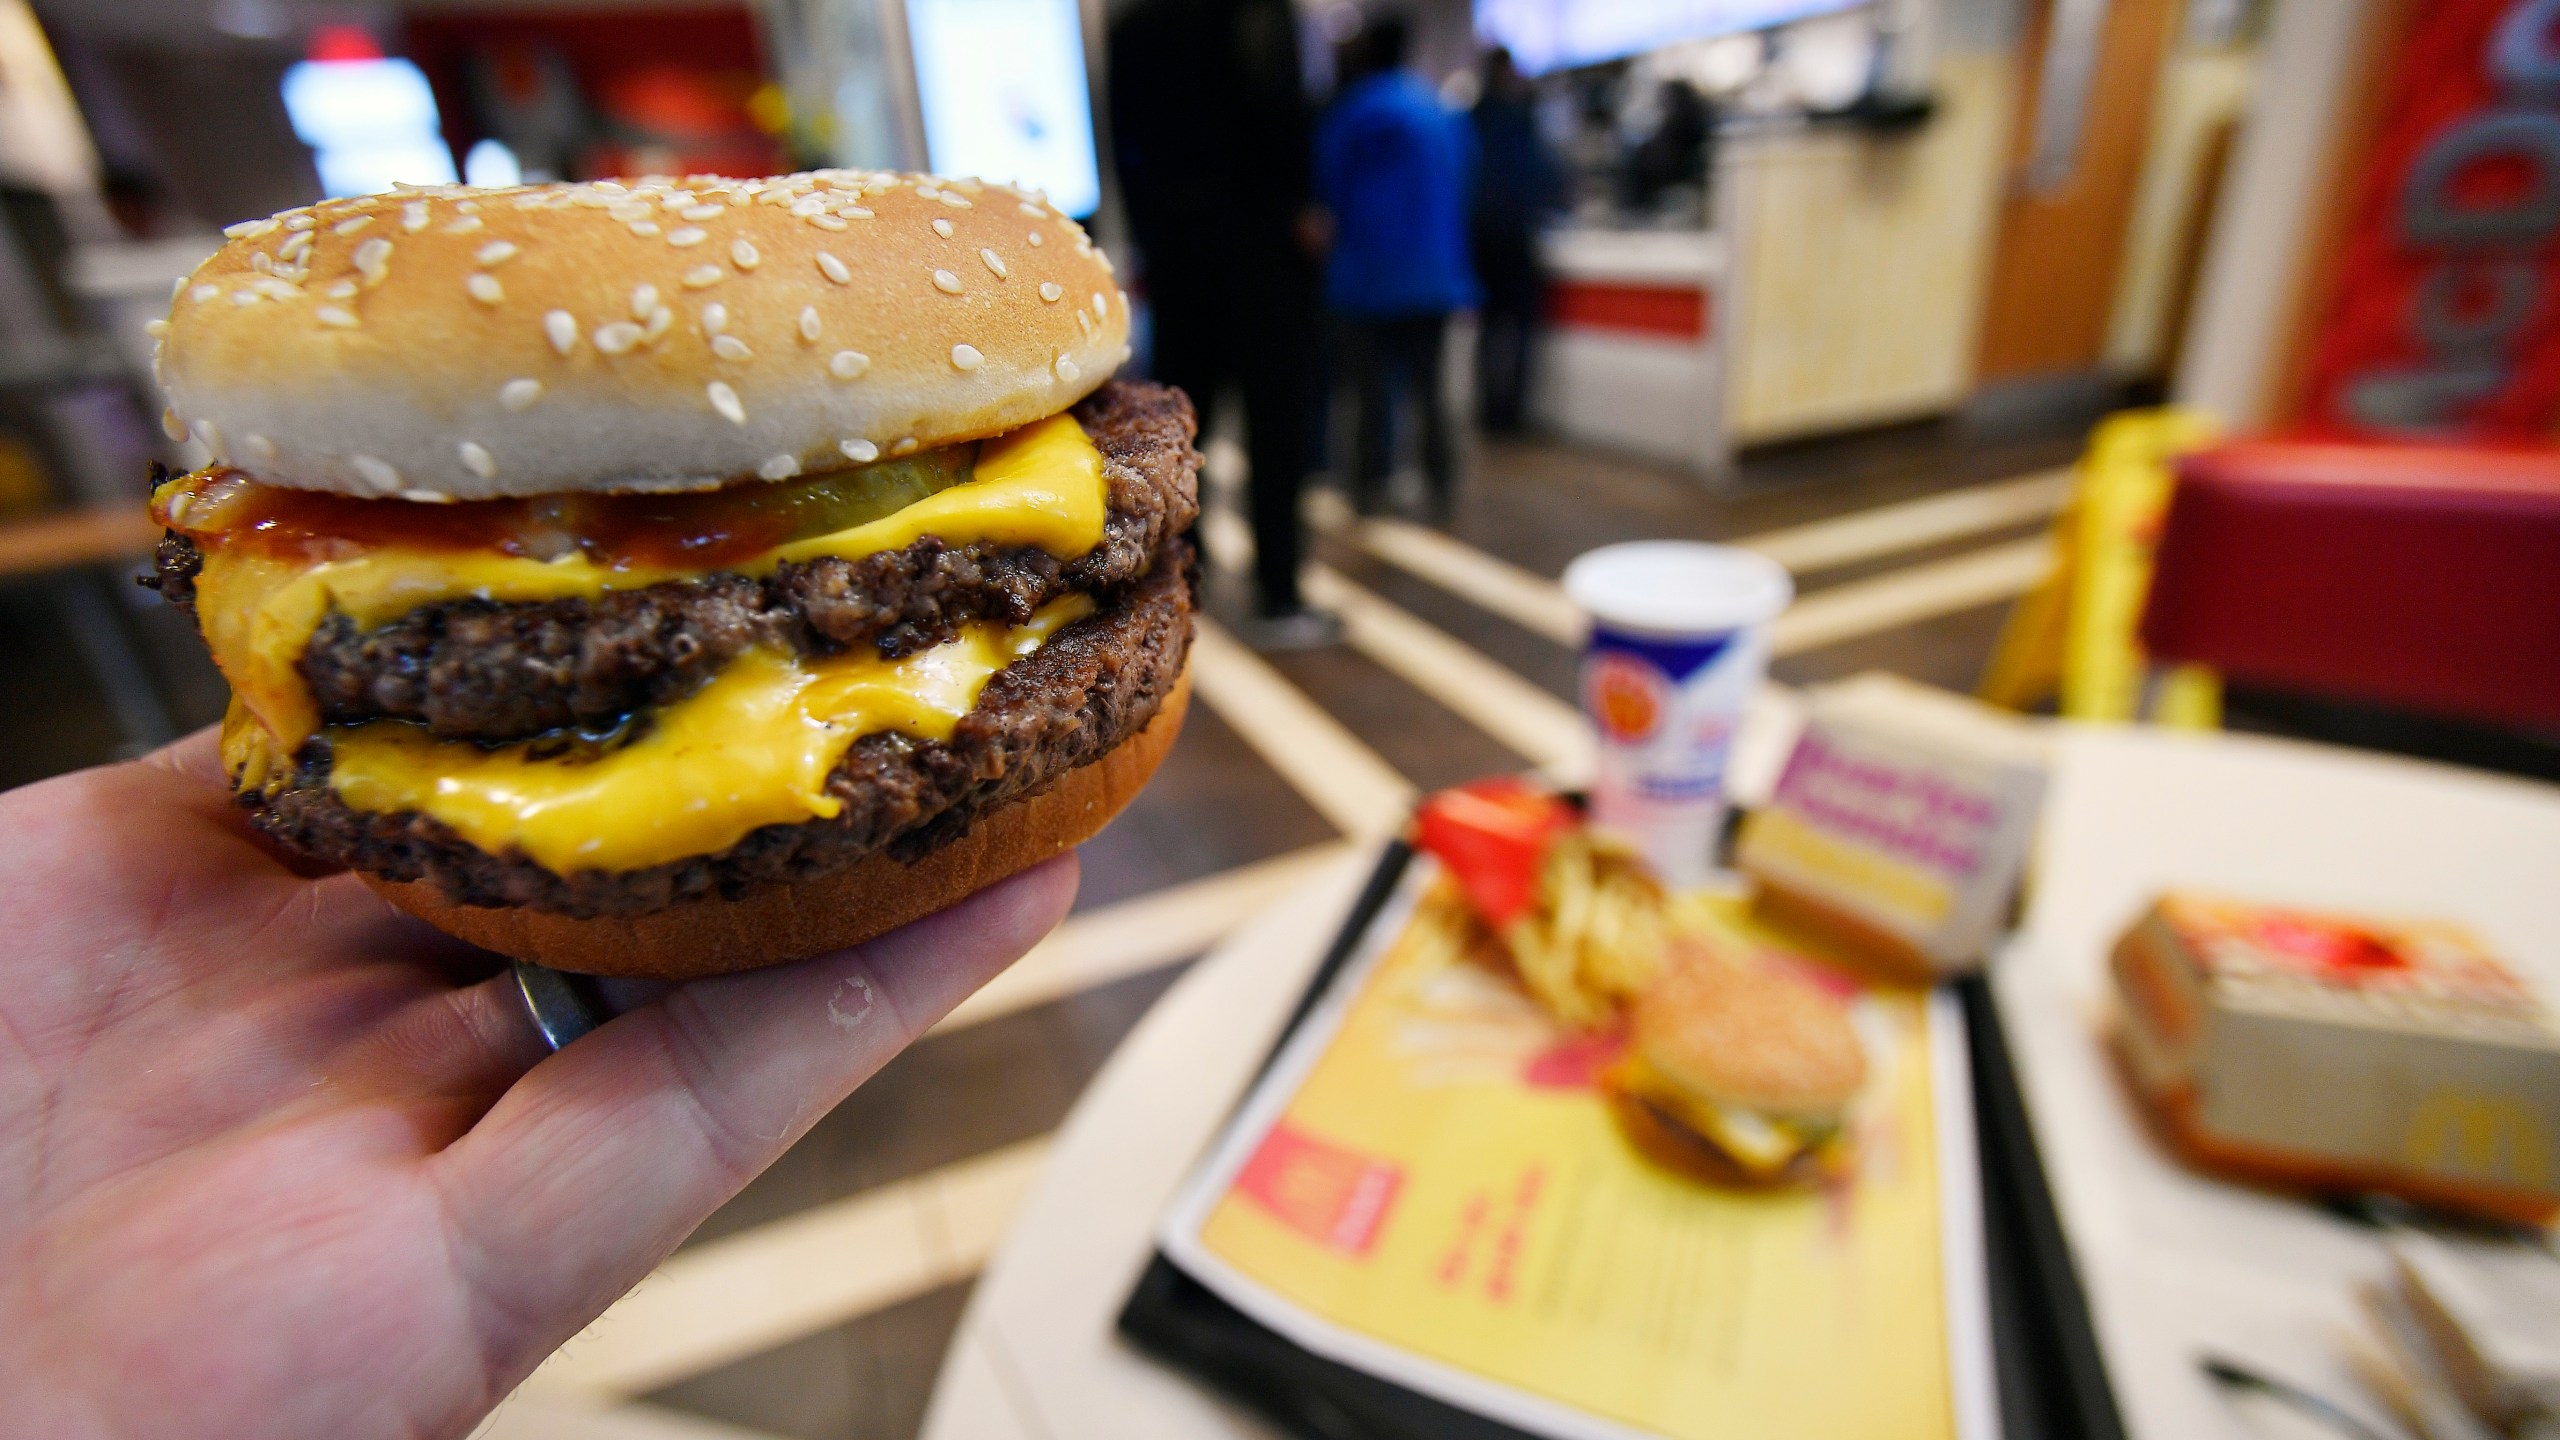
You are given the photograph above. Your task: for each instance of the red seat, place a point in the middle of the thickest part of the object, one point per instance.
(2423, 577)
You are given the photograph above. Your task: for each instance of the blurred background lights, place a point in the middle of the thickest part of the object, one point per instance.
(491, 163)
(370, 121)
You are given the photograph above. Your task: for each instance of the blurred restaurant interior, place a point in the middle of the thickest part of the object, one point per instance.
(2152, 405)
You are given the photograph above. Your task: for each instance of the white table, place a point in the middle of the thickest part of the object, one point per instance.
(2172, 1263)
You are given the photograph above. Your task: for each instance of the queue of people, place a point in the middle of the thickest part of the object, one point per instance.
(1282, 245)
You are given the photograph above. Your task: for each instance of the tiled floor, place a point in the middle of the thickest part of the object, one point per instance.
(1247, 784)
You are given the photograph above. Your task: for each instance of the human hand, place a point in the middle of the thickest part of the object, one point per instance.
(278, 1160)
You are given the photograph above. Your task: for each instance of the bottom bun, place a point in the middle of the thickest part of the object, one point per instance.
(771, 924)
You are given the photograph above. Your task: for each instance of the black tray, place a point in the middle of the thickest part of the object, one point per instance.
(2051, 1381)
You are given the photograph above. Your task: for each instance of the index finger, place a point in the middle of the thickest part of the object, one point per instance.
(605, 1156)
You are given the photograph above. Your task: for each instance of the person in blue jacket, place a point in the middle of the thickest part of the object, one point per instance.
(1394, 170)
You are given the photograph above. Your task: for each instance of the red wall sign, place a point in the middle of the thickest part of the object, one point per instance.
(2443, 317)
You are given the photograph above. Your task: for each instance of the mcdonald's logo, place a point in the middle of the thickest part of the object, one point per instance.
(2489, 1136)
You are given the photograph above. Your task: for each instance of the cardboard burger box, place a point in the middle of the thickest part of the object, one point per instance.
(2342, 1053)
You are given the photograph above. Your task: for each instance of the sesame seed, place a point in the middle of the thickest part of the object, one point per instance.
(715, 318)
(809, 322)
(469, 207)
(373, 257)
(1034, 211)
(300, 222)
(780, 467)
(294, 245)
(725, 400)
(660, 321)
(250, 229)
(1035, 240)
(244, 297)
(957, 202)
(617, 338)
(177, 287)
(172, 426)
(906, 446)
(202, 293)
(338, 290)
(477, 459)
(377, 473)
(703, 275)
(630, 210)
(860, 452)
(1067, 370)
(497, 252)
(463, 226)
(260, 448)
(520, 394)
(425, 497)
(994, 261)
(263, 263)
(484, 288)
(834, 268)
(155, 328)
(966, 357)
(853, 212)
(1101, 305)
(413, 216)
(701, 212)
(644, 228)
(828, 222)
(744, 255)
(927, 190)
(349, 227)
(811, 205)
(337, 315)
(941, 227)
(1051, 291)
(688, 236)
(1107, 267)
(946, 282)
(730, 347)
(562, 328)
(848, 363)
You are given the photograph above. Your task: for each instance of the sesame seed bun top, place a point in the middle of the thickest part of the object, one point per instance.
(1749, 1034)
(453, 343)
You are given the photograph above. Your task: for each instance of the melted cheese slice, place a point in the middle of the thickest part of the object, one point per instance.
(752, 748)
(1041, 485)
(1761, 1144)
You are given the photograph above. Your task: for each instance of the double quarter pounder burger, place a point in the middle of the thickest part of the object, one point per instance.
(674, 577)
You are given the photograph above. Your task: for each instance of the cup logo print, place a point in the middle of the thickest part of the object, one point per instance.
(1626, 695)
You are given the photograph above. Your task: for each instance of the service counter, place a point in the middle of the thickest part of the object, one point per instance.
(1633, 359)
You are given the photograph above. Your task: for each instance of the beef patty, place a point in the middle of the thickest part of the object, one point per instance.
(1094, 684)
(480, 670)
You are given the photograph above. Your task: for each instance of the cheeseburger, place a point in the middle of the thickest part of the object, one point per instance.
(676, 576)
(1737, 1072)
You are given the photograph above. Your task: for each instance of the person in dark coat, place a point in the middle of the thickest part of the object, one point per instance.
(1213, 136)
(1394, 170)
(1518, 184)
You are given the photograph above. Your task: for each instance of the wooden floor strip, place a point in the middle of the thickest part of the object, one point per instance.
(1135, 936)
(1495, 699)
(1538, 604)
(1913, 524)
(737, 1296)
(1911, 595)
(1346, 781)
